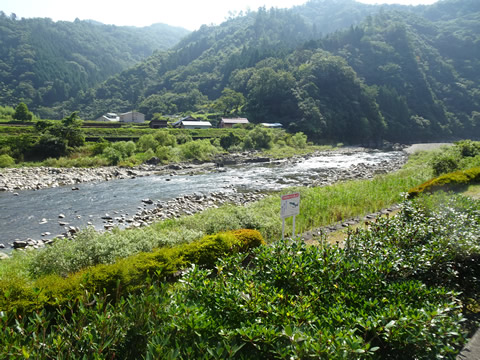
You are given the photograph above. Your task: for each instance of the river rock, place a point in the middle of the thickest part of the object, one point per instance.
(19, 244)
(3, 256)
(258, 160)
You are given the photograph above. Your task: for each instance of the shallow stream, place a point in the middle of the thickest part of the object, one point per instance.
(28, 213)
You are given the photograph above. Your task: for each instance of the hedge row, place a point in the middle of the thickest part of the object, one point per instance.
(125, 276)
(447, 182)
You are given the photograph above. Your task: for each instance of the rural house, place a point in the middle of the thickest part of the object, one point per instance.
(178, 123)
(189, 122)
(158, 124)
(108, 117)
(195, 125)
(132, 117)
(272, 125)
(228, 123)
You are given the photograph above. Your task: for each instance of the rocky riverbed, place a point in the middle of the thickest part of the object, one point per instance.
(36, 178)
(150, 212)
(152, 209)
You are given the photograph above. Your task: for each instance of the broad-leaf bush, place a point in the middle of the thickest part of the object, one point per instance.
(124, 275)
(392, 292)
(6, 161)
(201, 150)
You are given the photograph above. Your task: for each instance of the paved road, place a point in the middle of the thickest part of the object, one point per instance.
(472, 350)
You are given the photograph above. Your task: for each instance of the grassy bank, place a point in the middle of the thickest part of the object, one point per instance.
(397, 290)
(392, 292)
(319, 207)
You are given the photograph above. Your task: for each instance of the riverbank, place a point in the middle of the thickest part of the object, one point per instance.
(173, 192)
(36, 178)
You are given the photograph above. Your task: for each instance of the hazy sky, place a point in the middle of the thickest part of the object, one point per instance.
(190, 14)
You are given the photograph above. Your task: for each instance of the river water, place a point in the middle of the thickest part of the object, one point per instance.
(28, 213)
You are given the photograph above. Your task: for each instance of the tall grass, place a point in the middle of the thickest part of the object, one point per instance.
(318, 207)
(394, 292)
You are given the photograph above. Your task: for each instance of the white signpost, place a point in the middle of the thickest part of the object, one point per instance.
(290, 207)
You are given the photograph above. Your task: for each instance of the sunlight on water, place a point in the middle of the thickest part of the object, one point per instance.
(32, 213)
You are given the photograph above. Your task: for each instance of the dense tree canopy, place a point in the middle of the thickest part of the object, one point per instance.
(43, 62)
(399, 73)
(22, 113)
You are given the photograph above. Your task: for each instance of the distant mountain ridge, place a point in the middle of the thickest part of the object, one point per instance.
(337, 70)
(43, 62)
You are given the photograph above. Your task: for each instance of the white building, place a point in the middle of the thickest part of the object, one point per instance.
(272, 125)
(229, 123)
(109, 117)
(132, 116)
(195, 125)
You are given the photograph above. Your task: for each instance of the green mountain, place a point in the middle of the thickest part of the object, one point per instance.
(43, 62)
(200, 66)
(337, 70)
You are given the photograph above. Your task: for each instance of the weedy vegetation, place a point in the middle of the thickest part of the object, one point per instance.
(402, 287)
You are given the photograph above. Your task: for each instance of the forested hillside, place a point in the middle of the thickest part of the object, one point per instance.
(337, 70)
(43, 62)
(399, 73)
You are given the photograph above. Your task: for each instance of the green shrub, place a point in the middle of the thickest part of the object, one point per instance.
(124, 275)
(148, 155)
(229, 140)
(164, 153)
(50, 146)
(445, 163)
(164, 138)
(249, 238)
(201, 150)
(258, 138)
(183, 137)
(6, 161)
(98, 147)
(22, 113)
(147, 142)
(112, 155)
(131, 161)
(298, 141)
(7, 112)
(468, 148)
(447, 182)
(125, 148)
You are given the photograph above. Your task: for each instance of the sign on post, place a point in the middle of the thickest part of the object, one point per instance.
(290, 207)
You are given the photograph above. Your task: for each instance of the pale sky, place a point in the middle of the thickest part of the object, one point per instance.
(190, 14)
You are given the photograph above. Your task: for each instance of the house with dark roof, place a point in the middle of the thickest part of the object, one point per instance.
(158, 124)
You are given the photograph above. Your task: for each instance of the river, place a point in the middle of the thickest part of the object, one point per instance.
(29, 214)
